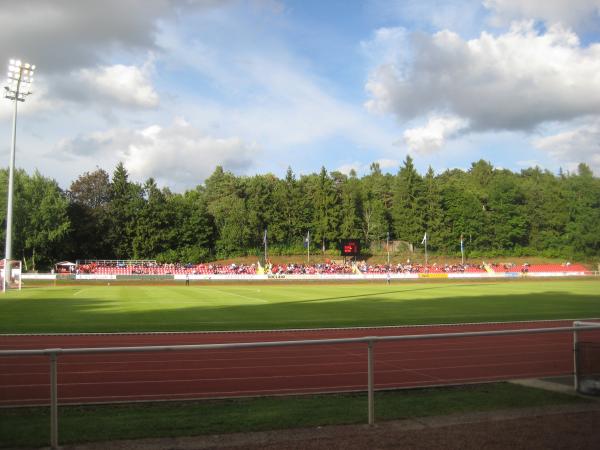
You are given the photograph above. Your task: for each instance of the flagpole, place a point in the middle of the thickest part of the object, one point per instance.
(387, 244)
(265, 242)
(425, 248)
(308, 246)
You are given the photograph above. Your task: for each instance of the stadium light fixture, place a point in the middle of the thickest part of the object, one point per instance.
(18, 86)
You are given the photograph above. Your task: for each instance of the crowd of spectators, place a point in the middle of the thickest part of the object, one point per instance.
(410, 267)
(154, 268)
(328, 267)
(309, 269)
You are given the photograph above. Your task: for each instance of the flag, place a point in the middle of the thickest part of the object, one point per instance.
(265, 237)
(307, 240)
(424, 241)
(461, 243)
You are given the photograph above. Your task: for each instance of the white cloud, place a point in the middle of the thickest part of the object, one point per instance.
(388, 45)
(361, 168)
(432, 136)
(572, 13)
(347, 168)
(127, 85)
(177, 155)
(458, 15)
(581, 144)
(528, 163)
(514, 81)
(34, 103)
(63, 35)
(385, 163)
(86, 48)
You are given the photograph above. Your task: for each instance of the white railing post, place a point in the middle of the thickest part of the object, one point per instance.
(575, 378)
(53, 402)
(371, 382)
(575, 352)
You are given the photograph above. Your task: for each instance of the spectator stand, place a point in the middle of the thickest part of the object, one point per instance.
(89, 269)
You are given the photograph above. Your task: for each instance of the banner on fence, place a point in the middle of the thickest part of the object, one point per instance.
(95, 276)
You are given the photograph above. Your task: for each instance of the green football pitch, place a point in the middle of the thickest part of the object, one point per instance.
(122, 308)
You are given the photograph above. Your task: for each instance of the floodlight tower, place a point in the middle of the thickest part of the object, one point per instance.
(20, 78)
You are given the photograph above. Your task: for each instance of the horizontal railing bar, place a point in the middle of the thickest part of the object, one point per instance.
(236, 345)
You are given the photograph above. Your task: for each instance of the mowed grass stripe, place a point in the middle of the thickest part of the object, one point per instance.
(122, 308)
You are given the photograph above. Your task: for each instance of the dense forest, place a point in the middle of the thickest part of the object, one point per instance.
(499, 212)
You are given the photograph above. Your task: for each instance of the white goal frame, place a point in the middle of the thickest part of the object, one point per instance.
(14, 274)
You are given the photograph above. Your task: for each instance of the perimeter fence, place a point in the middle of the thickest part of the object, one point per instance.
(586, 364)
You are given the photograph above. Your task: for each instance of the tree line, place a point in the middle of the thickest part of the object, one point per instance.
(497, 211)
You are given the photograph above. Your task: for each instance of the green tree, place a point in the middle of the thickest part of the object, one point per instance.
(40, 219)
(352, 207)
(326, 207)
(463, 212)
(583, 227)
(377, 199)
(406, 213)
(509, 224)
(126, 201)
(154, 223)
(547, 209)
(264, 212)
(195, 231)
(433, 214)
(226, 203)
(89, 198)
(295, 207)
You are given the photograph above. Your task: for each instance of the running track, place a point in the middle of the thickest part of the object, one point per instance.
(272, 371)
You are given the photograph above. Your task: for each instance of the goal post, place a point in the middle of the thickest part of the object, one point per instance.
(10, 274)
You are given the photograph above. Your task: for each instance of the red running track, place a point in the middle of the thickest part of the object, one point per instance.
(281, 370)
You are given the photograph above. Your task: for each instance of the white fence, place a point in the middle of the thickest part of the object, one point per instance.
(54, 353)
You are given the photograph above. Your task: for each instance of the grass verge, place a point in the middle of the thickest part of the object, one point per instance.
(29, 427)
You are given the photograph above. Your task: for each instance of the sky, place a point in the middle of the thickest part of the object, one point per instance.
(173, 88)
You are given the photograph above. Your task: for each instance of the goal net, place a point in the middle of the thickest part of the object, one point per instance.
(10, 274)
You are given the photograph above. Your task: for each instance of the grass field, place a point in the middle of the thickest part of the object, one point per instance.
(29, 426)
(102, 308)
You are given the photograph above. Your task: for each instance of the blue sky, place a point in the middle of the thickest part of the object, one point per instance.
(174, 88)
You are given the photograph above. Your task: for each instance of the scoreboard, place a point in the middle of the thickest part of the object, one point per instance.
(350, 247)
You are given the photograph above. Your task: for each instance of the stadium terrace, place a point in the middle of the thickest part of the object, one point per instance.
(124, 267)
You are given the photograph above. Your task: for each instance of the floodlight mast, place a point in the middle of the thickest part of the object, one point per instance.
(20, 78)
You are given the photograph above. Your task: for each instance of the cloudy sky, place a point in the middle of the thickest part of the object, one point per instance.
(175, 87)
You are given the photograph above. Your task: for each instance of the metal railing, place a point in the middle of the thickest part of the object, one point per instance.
(54, 353)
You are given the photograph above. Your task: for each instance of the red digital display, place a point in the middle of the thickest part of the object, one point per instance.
(350, 247)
